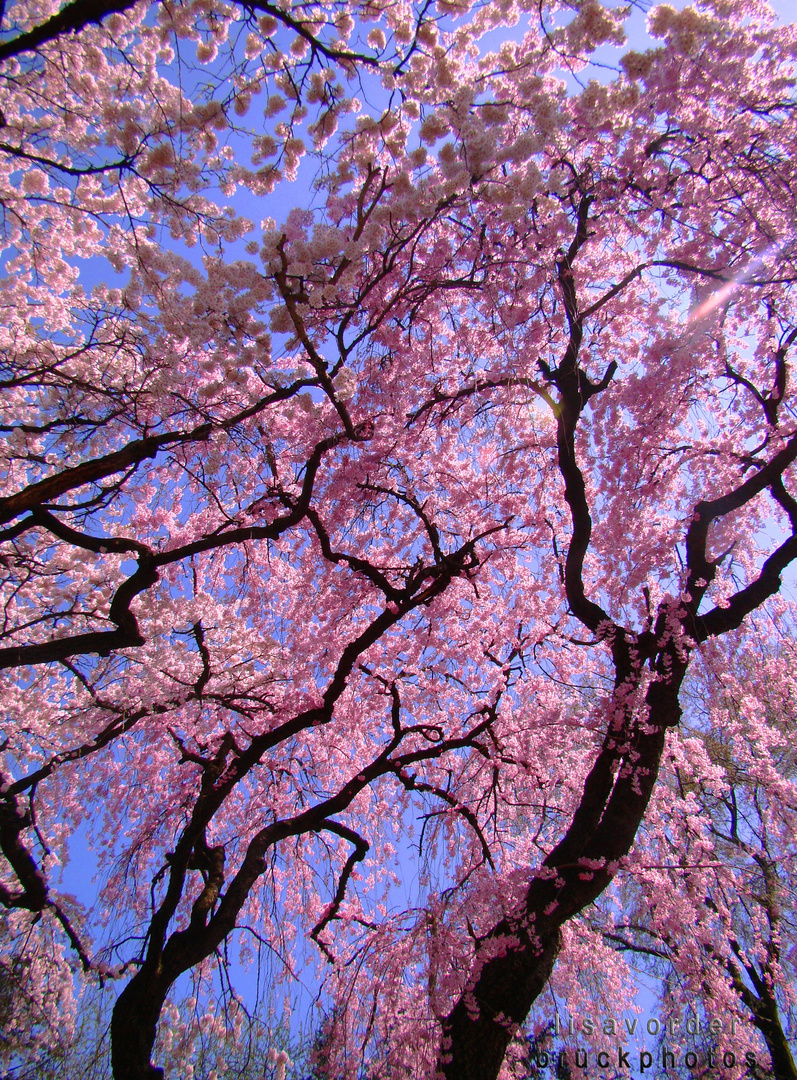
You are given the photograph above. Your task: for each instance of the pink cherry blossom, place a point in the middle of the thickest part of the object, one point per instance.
(392, 590)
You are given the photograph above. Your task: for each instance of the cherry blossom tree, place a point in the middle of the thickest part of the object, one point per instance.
(388, 525)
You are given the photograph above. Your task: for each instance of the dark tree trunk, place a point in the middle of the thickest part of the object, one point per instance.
(134, 1026)
(514, 961)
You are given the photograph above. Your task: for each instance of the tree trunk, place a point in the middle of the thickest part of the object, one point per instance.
(515, 959)
(134, 1026)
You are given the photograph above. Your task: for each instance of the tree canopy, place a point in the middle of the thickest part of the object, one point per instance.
(398, 447)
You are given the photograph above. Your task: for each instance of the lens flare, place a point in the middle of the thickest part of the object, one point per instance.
(725, 291)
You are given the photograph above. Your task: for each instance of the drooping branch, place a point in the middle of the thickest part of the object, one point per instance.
(361, 848)
(411, 783)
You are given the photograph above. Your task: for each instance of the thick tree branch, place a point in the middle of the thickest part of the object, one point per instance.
(71, 19)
